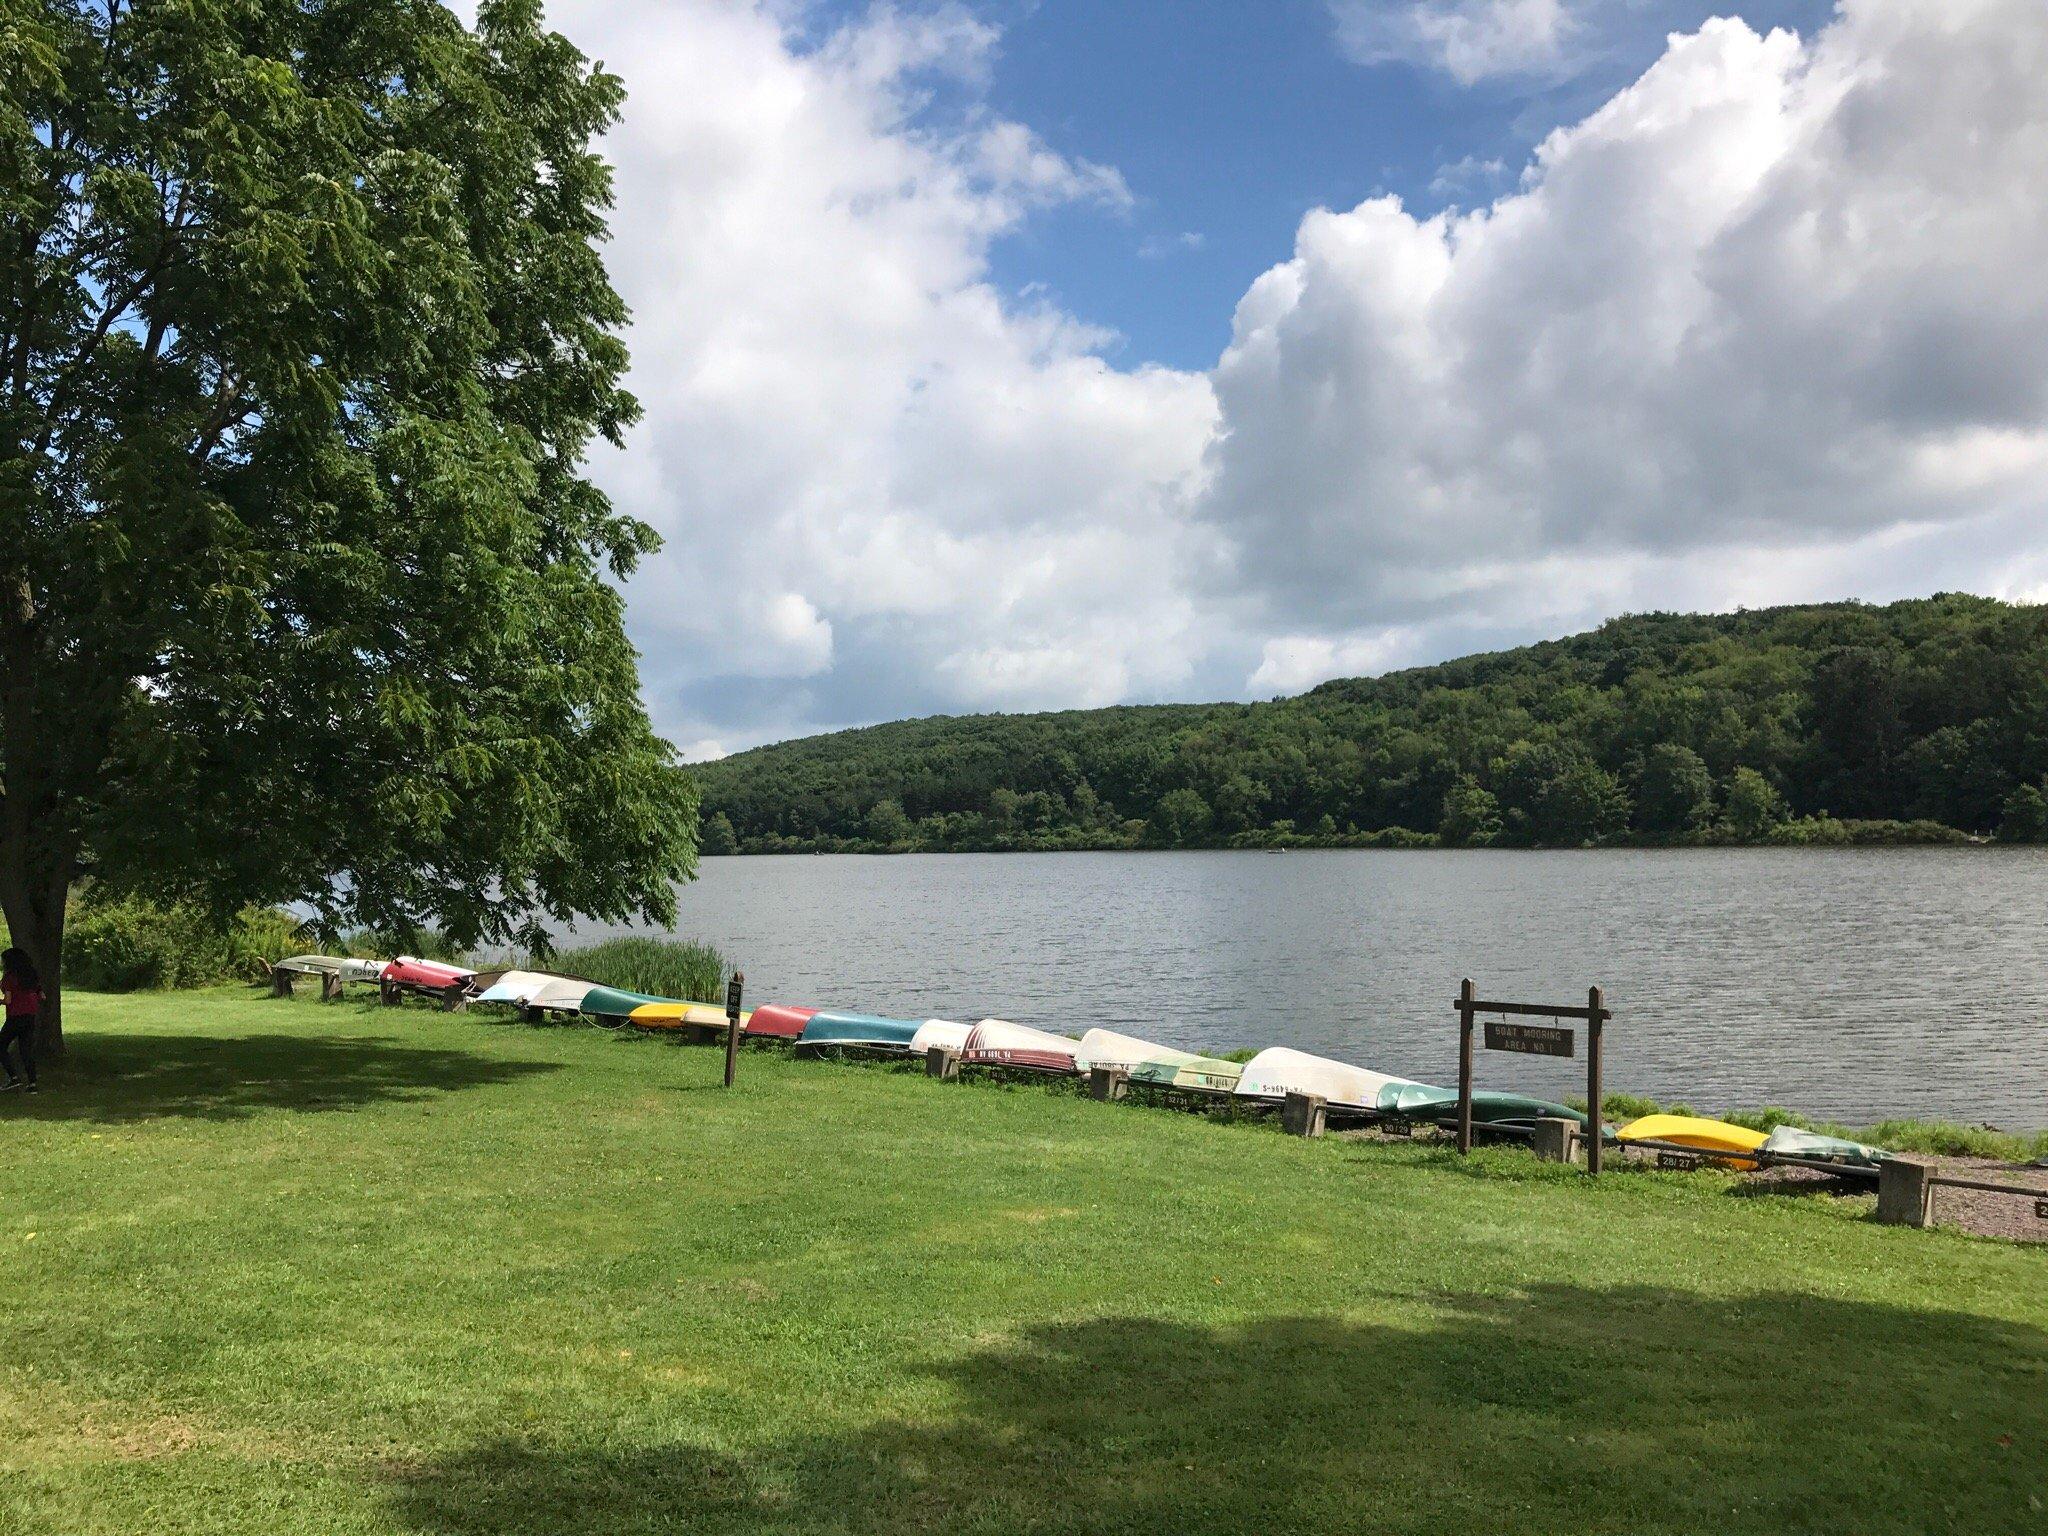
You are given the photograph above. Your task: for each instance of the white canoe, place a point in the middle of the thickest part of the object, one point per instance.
(1162, 1066)
(514, 987)
(1277, 1071)
(1107, 1048)
(346, 967)
(940, 1032)
(999, 1043)
(565, 994)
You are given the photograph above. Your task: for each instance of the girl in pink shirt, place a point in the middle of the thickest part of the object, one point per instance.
(22, 991)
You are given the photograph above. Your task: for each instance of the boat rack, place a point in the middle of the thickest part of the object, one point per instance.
(1696, 1155)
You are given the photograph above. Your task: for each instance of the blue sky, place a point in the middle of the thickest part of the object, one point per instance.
(1229, 121)
(1002, 355)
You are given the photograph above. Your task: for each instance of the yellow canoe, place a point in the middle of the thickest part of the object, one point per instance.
(1690, 1131)
(679, 1015)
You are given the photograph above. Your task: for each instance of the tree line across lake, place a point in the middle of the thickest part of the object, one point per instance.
(1923, 721)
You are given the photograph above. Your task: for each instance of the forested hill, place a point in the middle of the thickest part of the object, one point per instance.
(1921, 721)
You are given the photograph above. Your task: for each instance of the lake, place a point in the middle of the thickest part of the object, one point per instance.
(1849, 984)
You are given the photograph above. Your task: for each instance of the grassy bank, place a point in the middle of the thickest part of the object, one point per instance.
(281, 1267)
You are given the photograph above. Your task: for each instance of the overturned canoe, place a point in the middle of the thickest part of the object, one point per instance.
(561, 994)
(1162, 1066)
(1790, 1141)
(779, 1021)
(1277, 1071)
(1691, 1131)
(1422, 1101)
(859, 1029)
(346, 967)
(617, 1003)
(512, 986)
(942, 1034)
(666, 1013)
(999, 1043)
(429, 975)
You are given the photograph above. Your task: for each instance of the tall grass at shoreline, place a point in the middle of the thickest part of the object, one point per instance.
(678, 968)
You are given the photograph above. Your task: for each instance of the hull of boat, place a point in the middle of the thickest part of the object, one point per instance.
(864, 1029)
(1790, 1141)
(1689, 1131)
(1162, 1066)
(345, 966)
(1424, 1101)
(940, 1034)
(999, 1043)
(667, 1014)
(779, 1021)
(562, 994)
(431, 975)
(1276, 1072)
(617, 1003)
(513, 986)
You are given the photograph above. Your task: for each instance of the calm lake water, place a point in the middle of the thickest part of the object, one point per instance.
(1849, 984)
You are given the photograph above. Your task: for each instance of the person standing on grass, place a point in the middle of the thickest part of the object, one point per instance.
(21, 989)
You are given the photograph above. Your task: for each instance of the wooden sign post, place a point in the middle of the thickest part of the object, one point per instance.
(732, 1025)
(1532, 1040)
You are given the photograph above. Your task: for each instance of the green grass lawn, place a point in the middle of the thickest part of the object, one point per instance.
(283, 1267)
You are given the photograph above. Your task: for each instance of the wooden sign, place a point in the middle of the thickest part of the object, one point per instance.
(1683, 1162)
(1530, 1039)
(1394, 1125)
(732, 1026)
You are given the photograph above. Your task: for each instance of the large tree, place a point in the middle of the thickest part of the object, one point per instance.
(303, 593)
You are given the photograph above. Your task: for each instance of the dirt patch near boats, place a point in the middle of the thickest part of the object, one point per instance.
(1977, 1211)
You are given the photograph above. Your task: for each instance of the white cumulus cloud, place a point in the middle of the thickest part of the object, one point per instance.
(1467, 39)
(1774, 301)
(872, 468)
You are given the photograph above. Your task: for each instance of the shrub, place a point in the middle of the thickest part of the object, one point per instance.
(2025, 818)
(128, 944)
(1754, 806)
(676, 968)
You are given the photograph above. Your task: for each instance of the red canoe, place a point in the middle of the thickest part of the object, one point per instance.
(779, 1020)
(405, 971)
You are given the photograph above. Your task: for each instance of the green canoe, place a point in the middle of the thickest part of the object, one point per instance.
(1208, 1072)
(1420, 1101)
(616, 1002)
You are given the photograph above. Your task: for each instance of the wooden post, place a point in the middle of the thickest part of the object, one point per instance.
(1302, 1114)
(1467, 995)
(387, 993)
(455, 998)
(1108, 1083)
(282, 982)
(941, 1063)
(1905, 1197)
(330, 986)
(732, 1025)
(1596, 1015)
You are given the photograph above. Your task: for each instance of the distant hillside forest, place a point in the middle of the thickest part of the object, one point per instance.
(1922, 721)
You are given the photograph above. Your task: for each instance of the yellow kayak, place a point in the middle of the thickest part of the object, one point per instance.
(1690, 1131)
(677, 1015)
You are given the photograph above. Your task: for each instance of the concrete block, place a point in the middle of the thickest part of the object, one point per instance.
(1303, 1114)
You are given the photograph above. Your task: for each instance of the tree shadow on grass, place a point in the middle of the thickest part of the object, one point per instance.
(1565, 1408)
(121, 1078)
